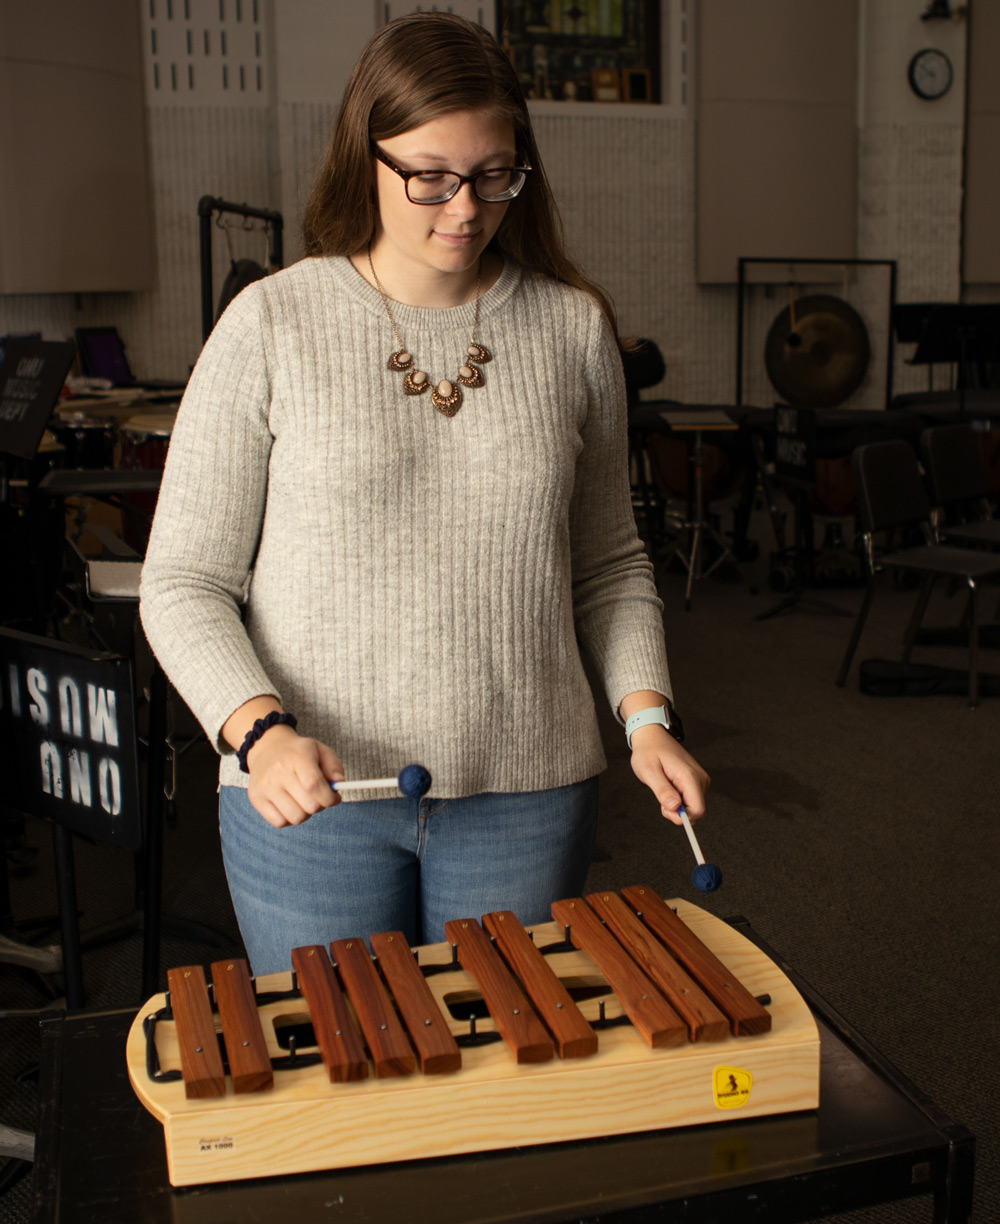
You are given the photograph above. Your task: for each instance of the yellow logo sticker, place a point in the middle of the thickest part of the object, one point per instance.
(732, 1087)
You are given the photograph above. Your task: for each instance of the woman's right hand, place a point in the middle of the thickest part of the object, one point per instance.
(290, 776)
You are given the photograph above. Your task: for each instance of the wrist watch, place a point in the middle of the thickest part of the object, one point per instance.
(665, 715)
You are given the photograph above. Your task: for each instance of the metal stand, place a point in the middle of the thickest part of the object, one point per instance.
(797, 594)
(69, 923)
(154, 830)
(209, 207)
(690, 422)
(699, 525)
(45, 960)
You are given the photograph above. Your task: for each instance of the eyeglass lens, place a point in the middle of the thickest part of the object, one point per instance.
(491, 186)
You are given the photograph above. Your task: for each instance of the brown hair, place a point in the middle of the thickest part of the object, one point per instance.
(415, 69)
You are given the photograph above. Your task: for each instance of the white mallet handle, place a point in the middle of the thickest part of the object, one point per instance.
(682, 813)
(367, 784)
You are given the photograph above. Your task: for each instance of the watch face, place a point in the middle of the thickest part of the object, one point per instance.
(930, 74)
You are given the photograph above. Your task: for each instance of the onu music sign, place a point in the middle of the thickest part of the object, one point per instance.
(66, 715)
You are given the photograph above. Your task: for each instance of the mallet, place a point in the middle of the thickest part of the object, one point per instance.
(706, 877)
(413, 781)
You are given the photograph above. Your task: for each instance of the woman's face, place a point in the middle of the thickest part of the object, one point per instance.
(449, 237)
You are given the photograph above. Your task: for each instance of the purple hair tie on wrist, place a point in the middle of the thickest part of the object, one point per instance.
(275, 719)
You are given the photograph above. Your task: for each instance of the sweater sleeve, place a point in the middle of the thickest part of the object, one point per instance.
(207, 523)
(619, 617)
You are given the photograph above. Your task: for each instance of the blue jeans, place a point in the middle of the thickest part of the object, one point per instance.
(407, 865)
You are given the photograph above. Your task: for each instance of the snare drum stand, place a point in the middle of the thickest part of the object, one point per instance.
(693, 424)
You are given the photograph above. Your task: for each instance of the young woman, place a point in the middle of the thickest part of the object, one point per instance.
(406, 455)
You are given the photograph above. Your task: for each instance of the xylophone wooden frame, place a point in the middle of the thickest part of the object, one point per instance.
(309, 1124)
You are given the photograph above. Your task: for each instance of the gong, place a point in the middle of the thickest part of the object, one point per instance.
(817, 351)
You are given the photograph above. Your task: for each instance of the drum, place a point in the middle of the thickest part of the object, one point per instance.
(669, 461)
(145, 441)
(50, 455)
(88, 441)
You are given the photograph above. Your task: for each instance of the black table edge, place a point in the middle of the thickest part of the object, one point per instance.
(946, 1171)
(961, 1141)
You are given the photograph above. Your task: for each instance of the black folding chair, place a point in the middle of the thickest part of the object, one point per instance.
(959, 487)
(892, 497)
(644, 367)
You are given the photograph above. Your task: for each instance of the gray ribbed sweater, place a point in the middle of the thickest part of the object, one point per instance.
(419, 583)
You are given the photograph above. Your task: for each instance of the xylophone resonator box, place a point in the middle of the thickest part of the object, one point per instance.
(626, 1014)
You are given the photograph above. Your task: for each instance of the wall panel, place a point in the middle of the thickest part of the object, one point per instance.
(74, 193)
(776, 132)
(981, 246)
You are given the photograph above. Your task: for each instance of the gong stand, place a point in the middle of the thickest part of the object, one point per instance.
(821, 326)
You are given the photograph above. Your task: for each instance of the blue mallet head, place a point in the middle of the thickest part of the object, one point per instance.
(414, 781)
(706, 877)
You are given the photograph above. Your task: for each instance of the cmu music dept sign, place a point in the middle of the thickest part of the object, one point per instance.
(67, 717)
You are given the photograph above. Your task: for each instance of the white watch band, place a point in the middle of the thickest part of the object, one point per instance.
(642, 718)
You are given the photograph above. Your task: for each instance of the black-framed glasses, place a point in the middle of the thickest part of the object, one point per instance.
(437, 186)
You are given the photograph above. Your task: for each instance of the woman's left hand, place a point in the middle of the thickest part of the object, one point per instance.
(673, 775)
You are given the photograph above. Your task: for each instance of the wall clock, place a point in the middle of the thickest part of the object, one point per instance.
(930, 74)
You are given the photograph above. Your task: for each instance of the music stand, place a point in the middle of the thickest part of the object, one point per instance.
(68, 721)
(31, 376)
(909, 319)
(957, 334)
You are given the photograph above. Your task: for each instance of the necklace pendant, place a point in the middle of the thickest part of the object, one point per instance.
(449, 404)
(415, 382)
(446, 396)
(469, 376)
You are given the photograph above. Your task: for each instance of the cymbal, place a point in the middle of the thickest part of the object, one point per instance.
(822, 360)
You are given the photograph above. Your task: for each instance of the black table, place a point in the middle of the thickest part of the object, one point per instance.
(100, 482)
(949, 407)
(875, 1138)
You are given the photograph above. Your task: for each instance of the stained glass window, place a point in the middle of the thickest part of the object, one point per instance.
(584, 50)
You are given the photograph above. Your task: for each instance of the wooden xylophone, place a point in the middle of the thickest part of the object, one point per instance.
(625, 1014)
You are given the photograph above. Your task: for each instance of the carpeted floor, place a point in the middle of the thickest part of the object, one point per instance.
(858, 835)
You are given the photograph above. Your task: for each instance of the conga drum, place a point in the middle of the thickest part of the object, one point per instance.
(145, 440)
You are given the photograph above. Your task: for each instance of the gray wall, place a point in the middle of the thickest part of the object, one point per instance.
(624, 177)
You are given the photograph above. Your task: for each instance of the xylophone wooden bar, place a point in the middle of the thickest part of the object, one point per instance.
(705, 1021)
(522, 1031)
(572, 1033)
(249, 1064)
(390, 1049)
(436, 1047)
(746, 1015)
(201, 1061)
(651, 1014)
(339, 1044)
